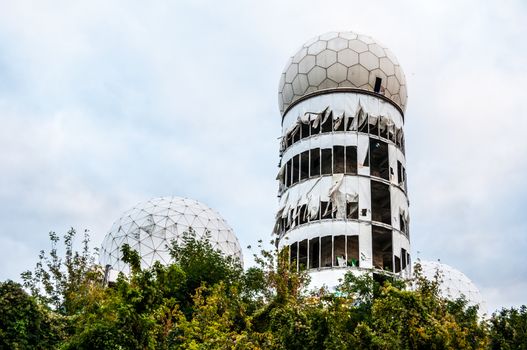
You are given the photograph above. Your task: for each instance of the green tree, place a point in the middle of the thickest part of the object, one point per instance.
(508, 329)
(62, 282)
(24, 324)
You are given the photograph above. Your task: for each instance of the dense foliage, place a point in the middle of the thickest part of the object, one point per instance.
(206, 301)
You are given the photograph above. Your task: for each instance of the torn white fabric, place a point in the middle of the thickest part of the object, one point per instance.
(347, 103)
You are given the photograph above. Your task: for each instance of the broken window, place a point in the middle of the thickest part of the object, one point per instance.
(288, 139)
(339, 251)
(295, 218)
(304, 165)
(397, 264)
(383, 127)
(363, 127)
(314, 130)
(302, 214)
(326, 161)
(366, 160)
(302, 254)
(374, 126)
(288, 173)
(286, 224)
(326, 210)
(296, 134)
(379, 165)
(314, 162)
(304, 130)
(391, 134)
(400, 173)
(338, 159)
(295, 169)
(327, 124)
(326, 251)
(352, 250)
(382, 248)
(352, 210)
(338, 123)
(351, 160)
(293, 257)
(402, 223)
(314, 250)
(380, 202)
(403, 259)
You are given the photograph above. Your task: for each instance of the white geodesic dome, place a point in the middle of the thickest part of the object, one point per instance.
(339, 60)
(152, 225)
(454, 283)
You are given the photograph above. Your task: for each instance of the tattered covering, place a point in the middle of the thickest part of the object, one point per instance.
(337, 189)
(354, 111)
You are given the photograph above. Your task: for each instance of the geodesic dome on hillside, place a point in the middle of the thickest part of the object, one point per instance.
(151, 226)
(454, 284)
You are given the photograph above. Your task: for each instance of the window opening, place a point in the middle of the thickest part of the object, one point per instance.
(403, 258)
(400, 177)
(288, 173)
(326, 161)
(325, 251)
(293, 257)
(379, 165)
(352, 250)
(366, 161)
(302, 215)
(380, 202)
(288, 140)
(296, 134)
(302, 254)
(363, 127)
(295, 169)
(304, 165)
(374, 126)
(338, 159)
(402, 223)
(314, 162)
(327, 125)
(382, 248)
(383, 129)
(391, 134)
(339, 251)
(352, 210)
(397, 264)
(304, 129)
(377, 87)
(296, 218)
(314, 253)
(338, 124)
(314, 130)
(351, 160)
(326, 210)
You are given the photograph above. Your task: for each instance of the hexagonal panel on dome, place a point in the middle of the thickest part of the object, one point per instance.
(151, 226)
(341, 60)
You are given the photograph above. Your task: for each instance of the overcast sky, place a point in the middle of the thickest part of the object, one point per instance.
(104, 104)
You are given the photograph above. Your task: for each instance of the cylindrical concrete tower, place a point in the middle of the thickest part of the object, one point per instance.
(343, 196)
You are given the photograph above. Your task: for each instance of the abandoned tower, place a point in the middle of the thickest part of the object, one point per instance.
(342, 179)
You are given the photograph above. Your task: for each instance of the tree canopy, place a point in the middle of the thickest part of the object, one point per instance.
(204, 300)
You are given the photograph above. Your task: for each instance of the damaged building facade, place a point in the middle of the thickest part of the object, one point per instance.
(342, 178)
